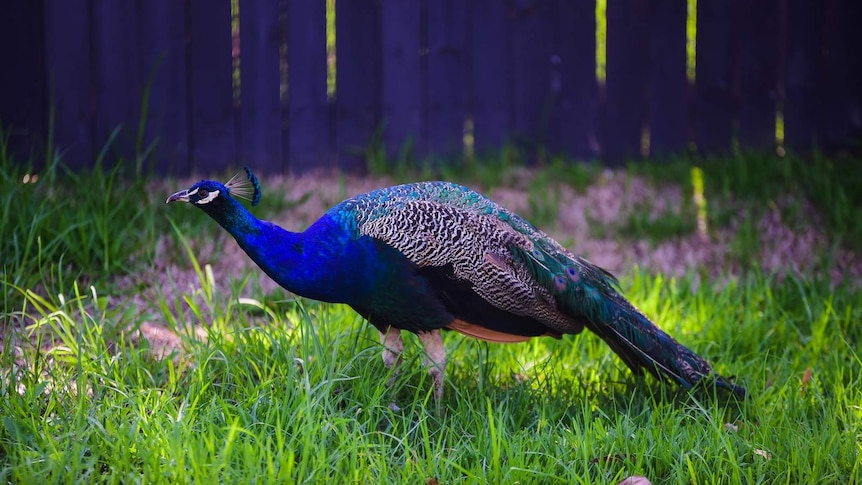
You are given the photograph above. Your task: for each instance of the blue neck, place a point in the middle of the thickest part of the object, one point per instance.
(323, 263)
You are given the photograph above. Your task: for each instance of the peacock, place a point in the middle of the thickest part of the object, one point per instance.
(431, 256)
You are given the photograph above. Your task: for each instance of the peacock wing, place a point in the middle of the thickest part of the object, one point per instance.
(473, 256)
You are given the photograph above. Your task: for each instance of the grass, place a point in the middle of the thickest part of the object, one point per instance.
(63, 226)
(295, 392)
(267, 388)
(832, 184)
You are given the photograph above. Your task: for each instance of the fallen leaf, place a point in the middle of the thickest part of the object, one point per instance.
(431, 481)
(765, 454)
(635, 480)
(806, 378)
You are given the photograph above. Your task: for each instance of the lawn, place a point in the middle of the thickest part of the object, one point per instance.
(139, 345)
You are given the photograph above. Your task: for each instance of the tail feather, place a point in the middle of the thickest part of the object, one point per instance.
(586, 291)
(641, 344)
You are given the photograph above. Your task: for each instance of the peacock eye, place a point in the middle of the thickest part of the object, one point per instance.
(203, 193)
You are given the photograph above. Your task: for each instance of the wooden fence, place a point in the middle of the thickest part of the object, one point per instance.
(216, 83)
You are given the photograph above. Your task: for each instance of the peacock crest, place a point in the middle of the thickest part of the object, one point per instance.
(245, 186)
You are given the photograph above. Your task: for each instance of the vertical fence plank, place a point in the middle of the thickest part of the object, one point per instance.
(117, 81)
(213, 124)
(260, 84)
(800, 76)
(163, 68)
(627, 68)
(403, 74)
(534, 63)
(757, 71)
(23, 100)
(67, 46)
(520, 66)
(841, 75)
(357, 80)
(308, 110)
(668, 86)
(715, 102)
(578, 91)
(446, 78)
(490, 97)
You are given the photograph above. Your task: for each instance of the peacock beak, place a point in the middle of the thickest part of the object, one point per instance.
(182, 196)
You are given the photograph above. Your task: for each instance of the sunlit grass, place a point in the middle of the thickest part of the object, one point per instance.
(265, 387)
(296, 391)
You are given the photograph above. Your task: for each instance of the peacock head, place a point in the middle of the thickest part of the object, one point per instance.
(211, 196)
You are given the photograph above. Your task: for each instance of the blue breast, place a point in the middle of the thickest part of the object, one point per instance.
(331, 262)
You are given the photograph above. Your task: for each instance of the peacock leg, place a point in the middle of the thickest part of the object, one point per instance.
(435, 359)
(392, 347)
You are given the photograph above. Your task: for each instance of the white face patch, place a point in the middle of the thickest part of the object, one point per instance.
(209, 198)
